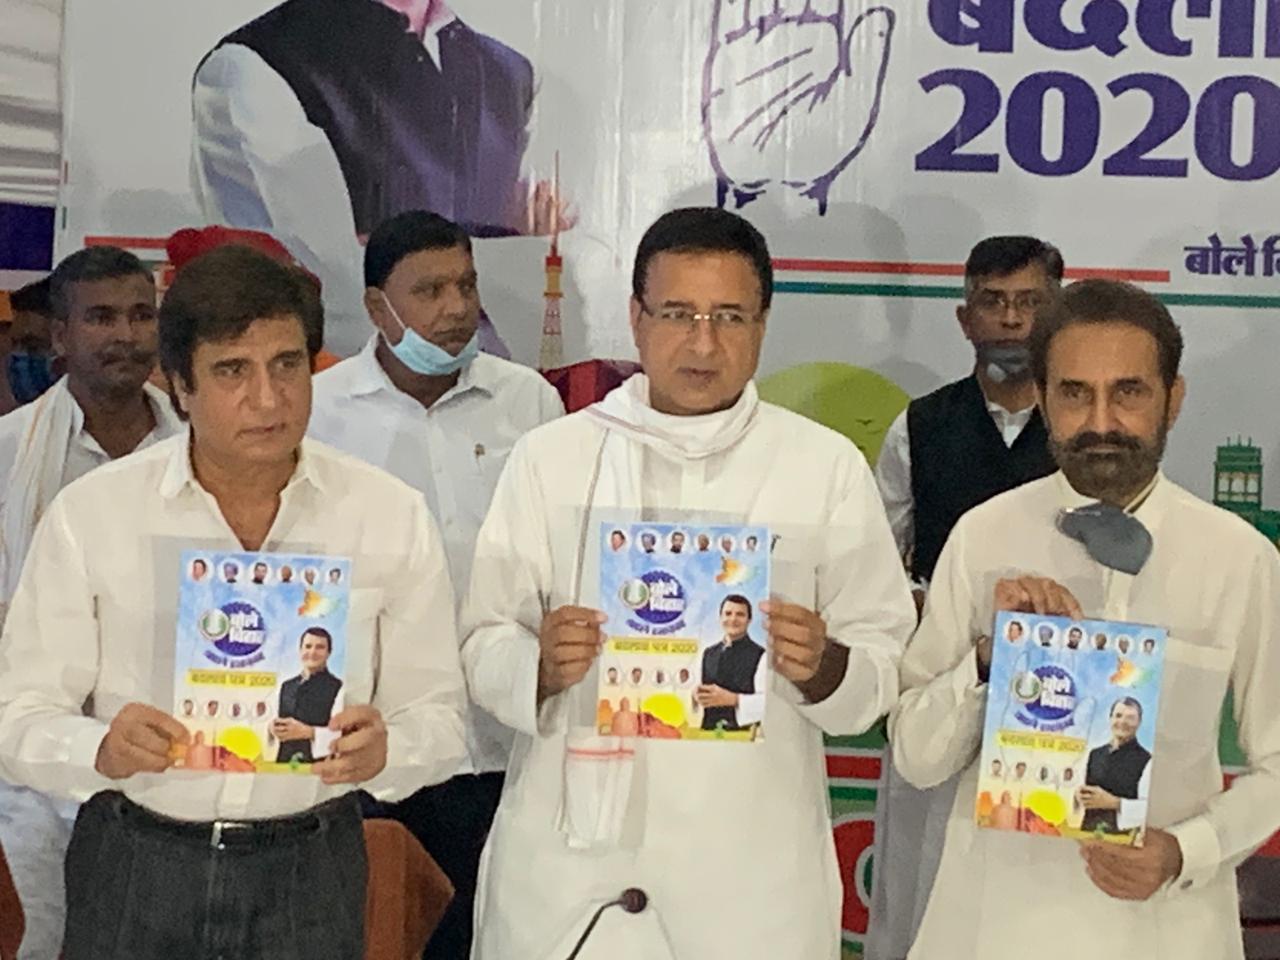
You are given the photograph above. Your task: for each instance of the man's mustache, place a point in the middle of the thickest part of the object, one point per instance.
(132, 354)
(1082, 442)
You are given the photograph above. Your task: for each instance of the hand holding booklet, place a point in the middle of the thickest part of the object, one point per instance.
(259, 658)
(684, 657)
(1069, 735)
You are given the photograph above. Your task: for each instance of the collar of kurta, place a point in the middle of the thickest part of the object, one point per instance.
(368, 377)
(167, 421)
(179, 476)
(626, 410)
(1147, 506)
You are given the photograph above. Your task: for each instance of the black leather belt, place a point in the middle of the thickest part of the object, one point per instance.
(221, 834)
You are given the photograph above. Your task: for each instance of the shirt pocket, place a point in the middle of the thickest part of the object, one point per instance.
(487, 461)
(1195, 684)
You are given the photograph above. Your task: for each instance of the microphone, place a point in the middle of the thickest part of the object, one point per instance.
(632, 900)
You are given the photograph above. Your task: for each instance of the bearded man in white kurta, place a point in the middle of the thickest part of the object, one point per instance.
(1141, 550)
(731, 842)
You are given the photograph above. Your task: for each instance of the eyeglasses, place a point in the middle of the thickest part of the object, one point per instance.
(1023, 302)
(682, 318)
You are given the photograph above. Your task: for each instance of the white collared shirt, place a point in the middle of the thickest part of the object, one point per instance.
(84, 452)
(893, 469)
(92, 627)
(1214, 583)
(452, 452)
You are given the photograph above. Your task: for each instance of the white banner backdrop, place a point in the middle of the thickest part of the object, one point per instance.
(1138, 141)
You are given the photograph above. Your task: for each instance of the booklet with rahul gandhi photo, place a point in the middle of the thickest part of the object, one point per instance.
(684, 657)
(261, 642)
(1070, 727)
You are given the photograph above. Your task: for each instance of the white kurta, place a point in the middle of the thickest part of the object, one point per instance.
(1214, 582)
(732, 842)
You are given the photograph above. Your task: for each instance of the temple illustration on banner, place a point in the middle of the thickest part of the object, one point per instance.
(1237, 486)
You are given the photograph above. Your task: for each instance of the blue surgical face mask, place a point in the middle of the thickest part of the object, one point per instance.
(30, 375)
(422, 356)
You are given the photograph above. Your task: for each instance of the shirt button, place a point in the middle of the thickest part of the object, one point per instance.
(1186, 884)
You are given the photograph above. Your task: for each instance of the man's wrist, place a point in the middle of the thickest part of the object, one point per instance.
(982, 663)
(829, 675)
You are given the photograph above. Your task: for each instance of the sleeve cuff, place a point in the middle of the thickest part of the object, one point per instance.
(867, 691)
(534, 720)
(82, 760)
(965, 682)
(1201, 853)
(751, 707)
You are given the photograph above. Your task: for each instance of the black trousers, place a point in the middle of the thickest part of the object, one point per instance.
(143, 887)
(451, 820)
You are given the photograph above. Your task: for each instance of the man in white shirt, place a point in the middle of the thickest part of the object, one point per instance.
(421, 403)
(339, 114)
(731, 842)
(104, 327)
(1109, 537)
(947, 452)
(189, 863)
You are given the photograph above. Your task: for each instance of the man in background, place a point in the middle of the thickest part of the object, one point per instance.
(30, 364)
(446, 417)
(103, 301)
(947, 452)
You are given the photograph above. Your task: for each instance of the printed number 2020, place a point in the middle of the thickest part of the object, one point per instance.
(1170, 107)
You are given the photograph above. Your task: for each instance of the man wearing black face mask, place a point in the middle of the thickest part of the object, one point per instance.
(979, 436)
(1107, 538)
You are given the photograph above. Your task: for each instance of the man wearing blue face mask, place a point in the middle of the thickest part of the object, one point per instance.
(422, 403)
(30, 364)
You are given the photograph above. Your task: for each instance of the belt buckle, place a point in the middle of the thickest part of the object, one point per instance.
(215, 838)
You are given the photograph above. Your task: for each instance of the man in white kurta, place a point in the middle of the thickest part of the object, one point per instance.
(731, 842)
(103, 408)
(1215, 584)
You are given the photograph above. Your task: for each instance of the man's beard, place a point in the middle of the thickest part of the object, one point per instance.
(1113, 476)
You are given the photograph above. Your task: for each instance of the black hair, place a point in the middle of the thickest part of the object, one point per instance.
(33, 298)
(1128, 702)
(220, 294)
(1106, 301)
(320, 632)
(704, 230)
(1001, 256)
(86, 266)
(406, 233)
(737, 598)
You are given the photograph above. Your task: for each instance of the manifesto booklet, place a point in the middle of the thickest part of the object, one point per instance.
(684, 657)
(261, 643)
(1070, 727)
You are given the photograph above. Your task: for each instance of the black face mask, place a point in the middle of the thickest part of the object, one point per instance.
(1005, 361)
(1114, 537)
